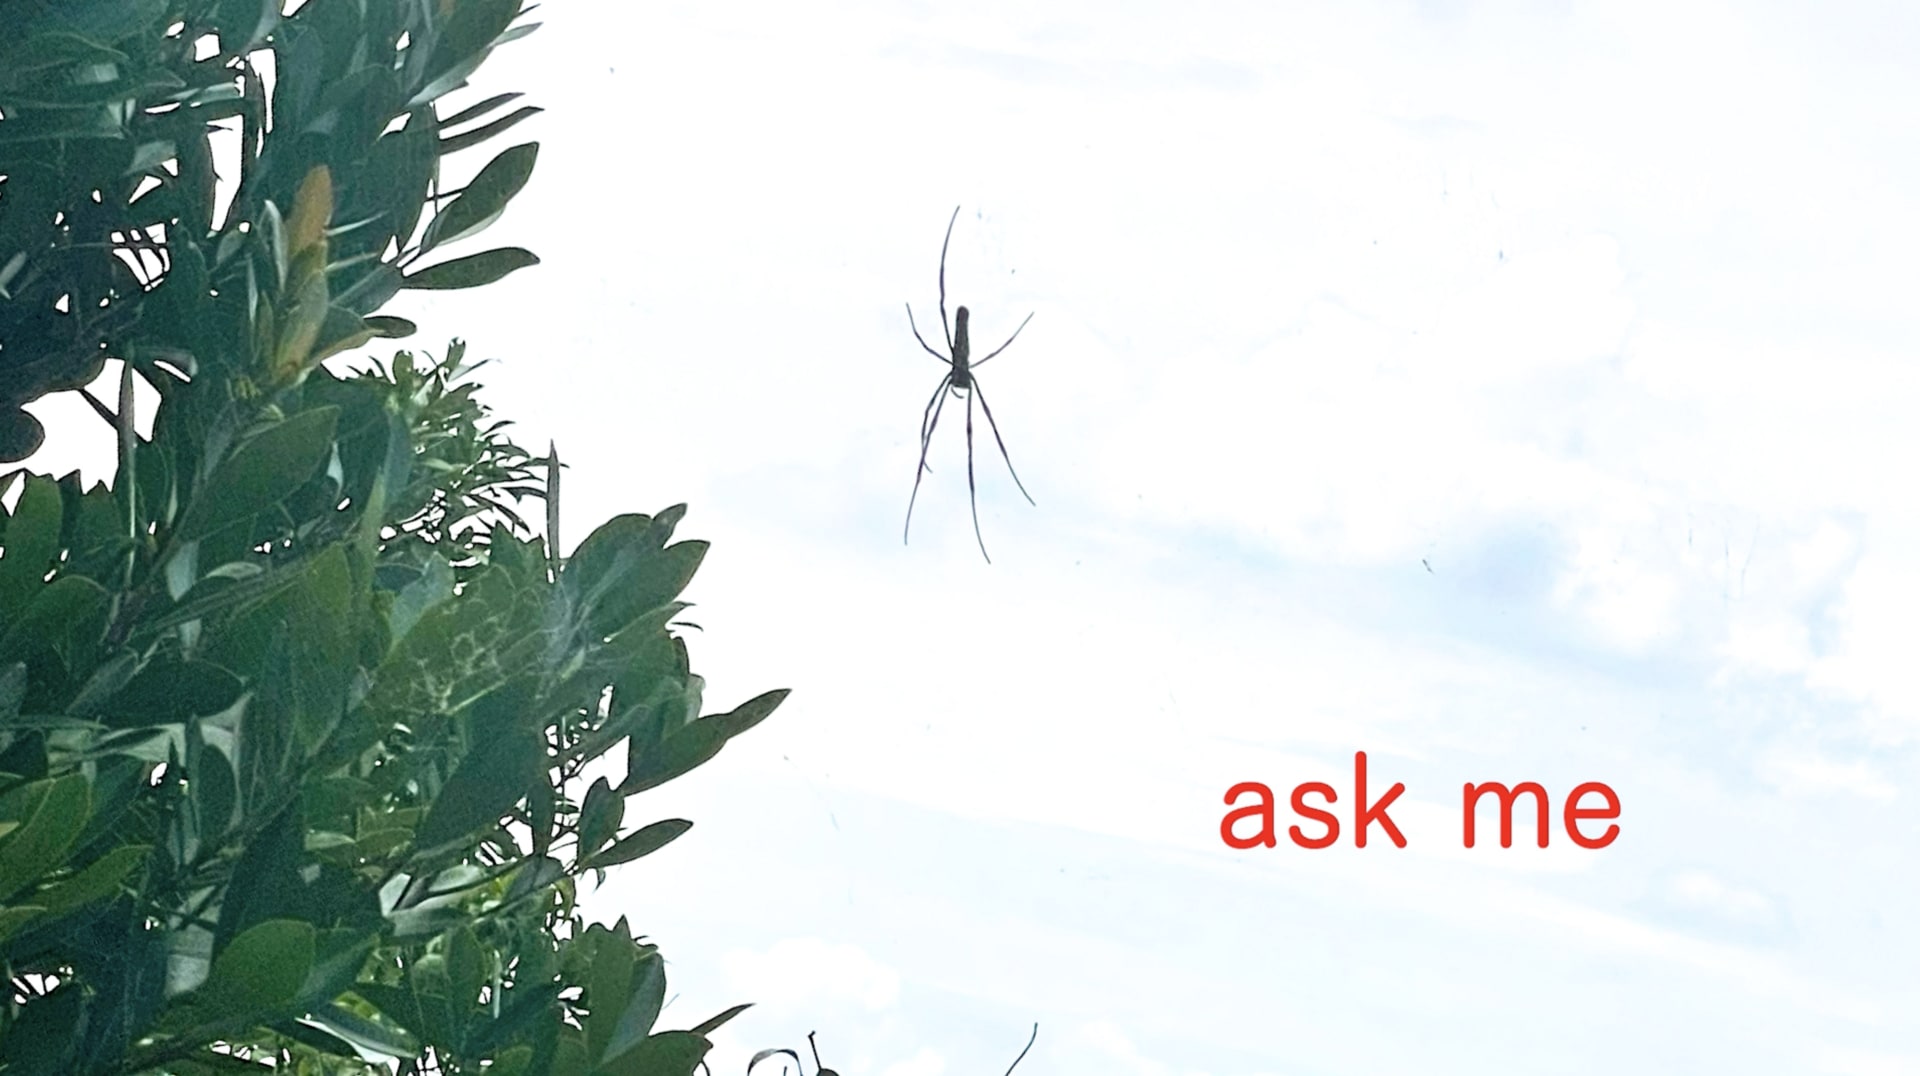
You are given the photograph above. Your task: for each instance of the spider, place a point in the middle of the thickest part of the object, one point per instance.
(961, 381)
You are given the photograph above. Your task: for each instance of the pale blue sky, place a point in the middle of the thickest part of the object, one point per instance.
(1601, 309)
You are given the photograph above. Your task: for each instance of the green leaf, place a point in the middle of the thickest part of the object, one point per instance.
(108, 678)
(32, 539)
(484, 199)
(260, 971)
(391, 328)
(261, 472)
(340, 330)
(647, 583)
(373, 1035)
(713, 1024)
(210, 788)
(474, 112)
(618, 539)
(433, 586)
(647, 991)
(466, 966)
(569, 1055)
(681, 751)
(75, 93)
(464, 43)
(670, 1053)
(465, 139)
(41, 1038)
(169, 690)
(12, 919)
(320, 659)
(644, 841)
(518, 32)
(99, 880)
(13, 689)
(339, 954)
(471, 271)
(266, 880)
(371, 292)
(215, 593)
(85, 123)
(621, 572)
(487, 783)
(149, 156)
(600, 816)
(534, 875)
(54, 48)
(51, 814)
(394, 1005)
(21, 435)
(512, 1061)
(401, 167)
(118, 781)
(751, 712)
(608, 980)
(61, 609)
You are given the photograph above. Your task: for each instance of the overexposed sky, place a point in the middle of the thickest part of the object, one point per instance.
(1601, 311)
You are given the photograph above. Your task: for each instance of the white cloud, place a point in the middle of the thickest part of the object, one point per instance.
(1872, 658)
(1853, 1061)
(1107, 1039)
(1702, 890)
(809, 969)
(1800, 770)
(927, 1062)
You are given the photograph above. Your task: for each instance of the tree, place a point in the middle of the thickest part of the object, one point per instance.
(293, 715)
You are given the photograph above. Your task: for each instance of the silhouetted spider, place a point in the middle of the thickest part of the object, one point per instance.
(961, 381)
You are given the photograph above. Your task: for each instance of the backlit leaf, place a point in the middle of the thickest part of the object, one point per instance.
(471, 271)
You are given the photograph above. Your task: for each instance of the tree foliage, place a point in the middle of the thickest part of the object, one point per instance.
(294, 714)
(151, 152)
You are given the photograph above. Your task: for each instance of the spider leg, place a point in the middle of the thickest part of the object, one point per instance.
(972, 501)
(928, 419)
(995, 427)
(927, 423)
(923, 340)
(1010, 1068)
(943, 276)
(1003, 347)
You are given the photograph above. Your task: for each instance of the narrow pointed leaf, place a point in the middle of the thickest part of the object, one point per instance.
(642, 842)
(471, 271)
(486, 197)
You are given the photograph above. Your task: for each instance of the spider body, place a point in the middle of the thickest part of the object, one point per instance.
(962, 370)
(960, 382)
